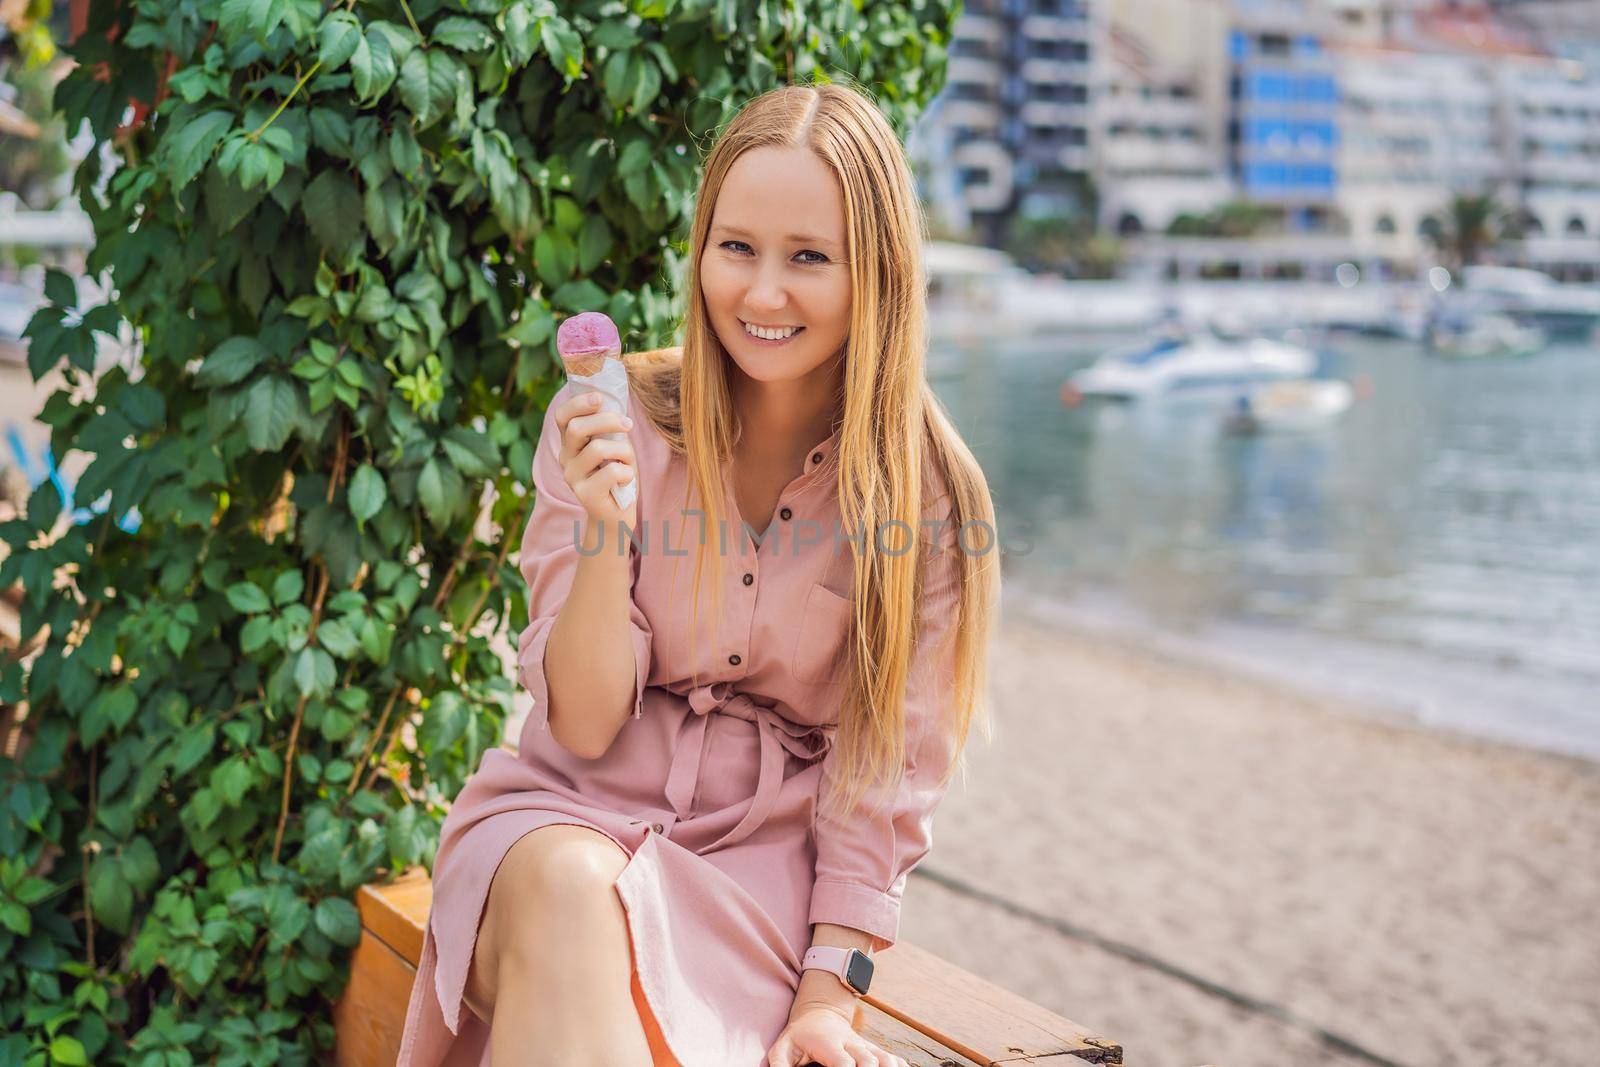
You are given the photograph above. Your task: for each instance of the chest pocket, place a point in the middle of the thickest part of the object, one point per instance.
(820, 637)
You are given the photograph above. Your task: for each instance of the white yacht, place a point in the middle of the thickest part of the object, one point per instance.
(1532, 298)
(1191, 364)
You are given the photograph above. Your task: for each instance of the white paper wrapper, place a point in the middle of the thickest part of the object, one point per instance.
(611, 382)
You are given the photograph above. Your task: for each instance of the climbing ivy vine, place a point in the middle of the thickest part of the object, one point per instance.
(265, 633)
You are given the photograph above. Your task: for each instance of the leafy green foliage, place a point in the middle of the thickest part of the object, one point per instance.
(342, 243)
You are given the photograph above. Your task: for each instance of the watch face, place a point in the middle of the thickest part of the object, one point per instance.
(858, 972)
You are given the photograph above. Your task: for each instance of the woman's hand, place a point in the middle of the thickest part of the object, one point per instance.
(822, 1035)
(593, 465)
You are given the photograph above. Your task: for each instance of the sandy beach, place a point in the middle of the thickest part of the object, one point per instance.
(1212, 868)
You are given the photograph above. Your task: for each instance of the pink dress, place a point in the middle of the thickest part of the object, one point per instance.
(709, 788)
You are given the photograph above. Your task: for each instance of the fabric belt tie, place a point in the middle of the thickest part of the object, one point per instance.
(777, 735)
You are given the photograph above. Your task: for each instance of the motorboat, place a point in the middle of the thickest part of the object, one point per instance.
(1484, 336)
(1195, 363)
(1533, 298)
(1293, 404)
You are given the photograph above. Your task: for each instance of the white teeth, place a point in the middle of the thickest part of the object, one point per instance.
(770, 335)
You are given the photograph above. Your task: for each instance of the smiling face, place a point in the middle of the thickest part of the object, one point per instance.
(775, 259)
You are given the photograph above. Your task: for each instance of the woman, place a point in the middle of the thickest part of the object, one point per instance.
(715, 800)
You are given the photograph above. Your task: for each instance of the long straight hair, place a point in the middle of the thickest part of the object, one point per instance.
(895, 436)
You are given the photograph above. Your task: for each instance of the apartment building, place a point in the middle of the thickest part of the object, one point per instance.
(1011, 132)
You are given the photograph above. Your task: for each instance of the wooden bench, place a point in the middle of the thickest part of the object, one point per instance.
(922, 1008)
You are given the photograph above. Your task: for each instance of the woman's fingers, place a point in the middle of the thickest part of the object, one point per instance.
(581, 429)
(599, 451)
(572, 407)
(782, 1054)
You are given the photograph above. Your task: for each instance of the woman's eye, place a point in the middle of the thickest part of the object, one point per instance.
(820, 257)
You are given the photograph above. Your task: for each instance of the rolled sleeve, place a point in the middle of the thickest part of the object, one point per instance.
(862, 863)
(549, 562)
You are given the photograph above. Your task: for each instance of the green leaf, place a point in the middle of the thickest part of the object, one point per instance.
(441, 490)
(367, 493)
(646, 85)
(314, 672)
(340, 36)
(255, 18)
(16, 918)
(59, 288)
(339, 921)
(232, 779)
(553, 256)
(408, 837)
(444, 721)
(563, 45)
(68, 1051)
(594, 242)
(287, 587)
(332, 206)
(462, 34)
(472, 453)
(247, 598)
(196, 742)
(336, 637)
(257, 632)
(230, 362)
(269, 413)
(188, 148)
(428, 83)
(112, 707)
(617, 77)
(139, 864)
(110, 894)
(373, 65)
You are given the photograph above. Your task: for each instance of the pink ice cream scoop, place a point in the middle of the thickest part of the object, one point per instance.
(585, 340)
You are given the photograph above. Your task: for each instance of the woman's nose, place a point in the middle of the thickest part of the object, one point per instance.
(766, 291)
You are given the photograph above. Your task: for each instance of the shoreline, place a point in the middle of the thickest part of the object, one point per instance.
(1211, 867)
(1390, 697)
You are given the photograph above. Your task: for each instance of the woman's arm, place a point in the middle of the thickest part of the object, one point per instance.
(579, 585)
(589, 657)
(823, 989)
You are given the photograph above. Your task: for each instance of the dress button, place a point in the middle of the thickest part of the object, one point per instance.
(816, 457)
(786, 513)
(734, 659)
(749, 579)
(656, 827)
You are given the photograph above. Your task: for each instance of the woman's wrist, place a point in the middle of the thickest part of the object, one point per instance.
(824, 989)
(603, 539)
(821, 989)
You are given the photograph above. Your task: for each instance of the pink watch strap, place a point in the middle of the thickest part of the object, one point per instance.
(833, 960)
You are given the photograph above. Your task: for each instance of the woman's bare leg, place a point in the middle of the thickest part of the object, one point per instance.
(553, 956)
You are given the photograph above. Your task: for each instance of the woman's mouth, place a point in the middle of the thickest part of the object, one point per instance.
(771, 336)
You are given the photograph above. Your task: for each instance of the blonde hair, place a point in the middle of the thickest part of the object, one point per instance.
(894, 435)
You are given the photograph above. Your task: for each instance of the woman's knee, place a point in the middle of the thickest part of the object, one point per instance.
(560, 865)
(547, 879)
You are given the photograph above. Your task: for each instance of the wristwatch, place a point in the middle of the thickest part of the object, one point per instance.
(853, 966)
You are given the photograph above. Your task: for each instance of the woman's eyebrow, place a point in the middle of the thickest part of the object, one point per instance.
(808, 237)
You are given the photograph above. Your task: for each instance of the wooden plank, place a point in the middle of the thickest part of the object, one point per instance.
(397, 912)
(952, 1016)
(909, 1043)
(371, 1015)
(978, 1019)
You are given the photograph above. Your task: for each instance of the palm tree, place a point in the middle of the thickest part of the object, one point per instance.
(1471, 223)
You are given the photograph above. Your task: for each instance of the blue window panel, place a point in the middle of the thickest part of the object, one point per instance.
(1307, 46)
(1238, 45)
